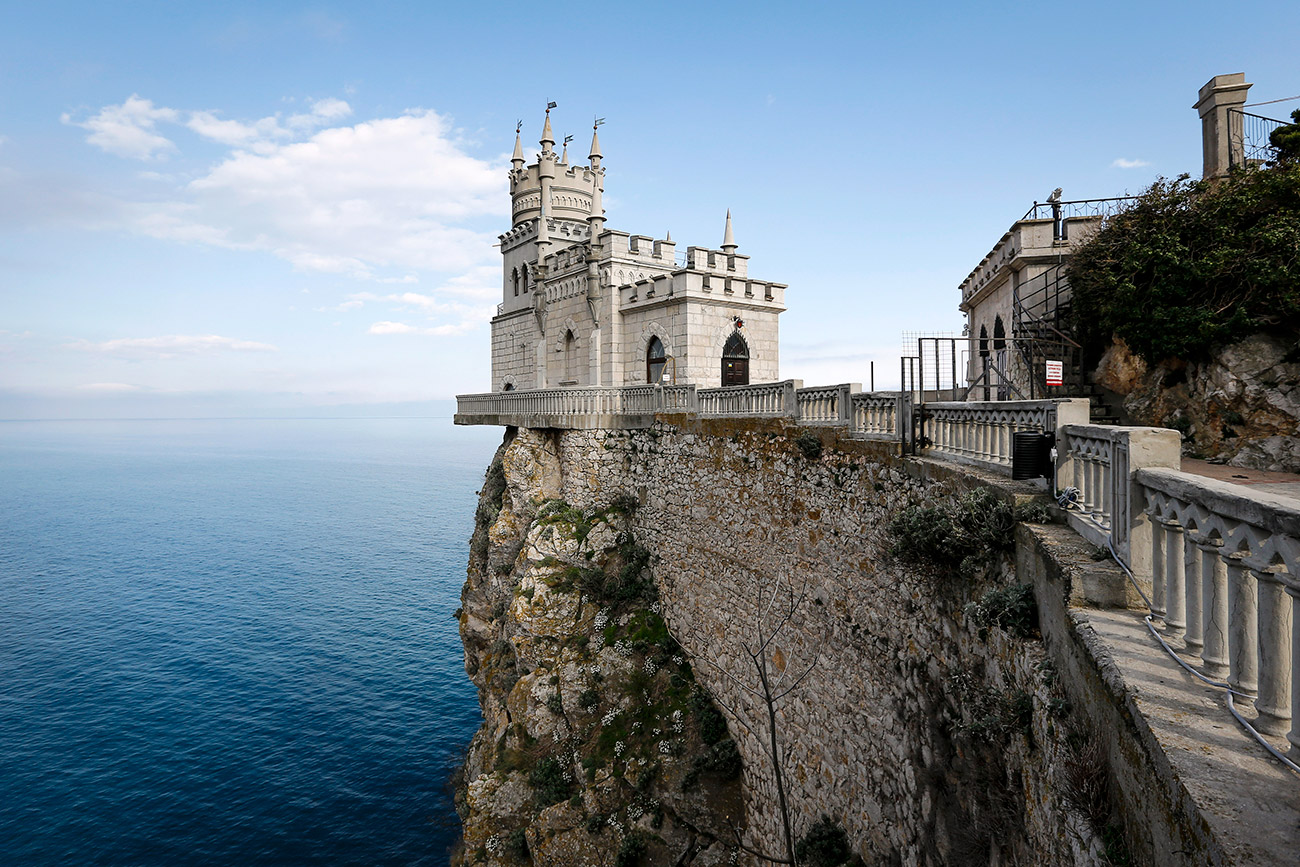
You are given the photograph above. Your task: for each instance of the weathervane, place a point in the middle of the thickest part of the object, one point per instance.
(598, 121)
(519, 126)
(549, 106)
(567, 139)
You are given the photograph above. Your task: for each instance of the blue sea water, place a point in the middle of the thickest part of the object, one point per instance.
(230, 642)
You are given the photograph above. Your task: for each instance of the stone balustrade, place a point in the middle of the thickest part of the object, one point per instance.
(1225, 574)
(827, 404)
(765, 400)
(1220, 563)
(979, 432)
(880, 415)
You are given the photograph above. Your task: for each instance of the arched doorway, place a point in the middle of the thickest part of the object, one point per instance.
(655, 360)
(735, 361)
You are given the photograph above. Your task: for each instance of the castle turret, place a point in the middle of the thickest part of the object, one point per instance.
(545, 177)
(596, 220)
(568, 189)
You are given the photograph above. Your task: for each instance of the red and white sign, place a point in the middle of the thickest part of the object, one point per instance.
(1055, 372)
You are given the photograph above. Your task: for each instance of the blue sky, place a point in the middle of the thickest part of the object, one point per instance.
(238, 208)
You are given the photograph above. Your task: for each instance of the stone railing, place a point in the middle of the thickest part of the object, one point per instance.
(827, 404)
(1219, 563)
(881, 415)
(767, 400)
(979, 432)
(1225, 578)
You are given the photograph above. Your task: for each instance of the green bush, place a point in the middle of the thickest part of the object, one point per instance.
(547, 780)
(1009, 608)
(516, 844)
(825, 845)
(810, 444)
(630, 852)
(964, 534)
(1193, 264)
(711, 722)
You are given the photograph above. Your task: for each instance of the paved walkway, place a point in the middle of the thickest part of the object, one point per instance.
(1278, 484)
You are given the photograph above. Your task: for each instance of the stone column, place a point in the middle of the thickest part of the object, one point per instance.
(1220, 133)
(1157, 572)
(1275, 625)
(1192, 600)
(1243, 631)
(1175, 580)
(1214, 609)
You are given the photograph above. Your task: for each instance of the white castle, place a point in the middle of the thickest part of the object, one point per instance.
(584, 305)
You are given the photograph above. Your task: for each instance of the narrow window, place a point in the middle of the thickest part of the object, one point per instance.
(735, 361)
(984, 341)
(655, 360)
(999, 334)
(514, 275)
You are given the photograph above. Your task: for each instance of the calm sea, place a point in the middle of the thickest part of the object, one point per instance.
(231, 642)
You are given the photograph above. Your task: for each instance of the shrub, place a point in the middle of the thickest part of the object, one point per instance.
(555, 704)
(810, 444)
(963, 534)
(547, 780)
(1009, 608)
(516, 844)
(825, 845)
(722, 760)
(630, 852)
(1192, 264)
(1035, 513)
(711, 722)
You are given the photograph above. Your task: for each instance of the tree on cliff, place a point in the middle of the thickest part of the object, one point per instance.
(773, 678)
(1194, 264)
(1286, 139)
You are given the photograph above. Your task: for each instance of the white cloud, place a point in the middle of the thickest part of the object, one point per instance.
(1122, 163)
(108, 387)
(392, 200)
(436, 330)
(128, 130)
(171, 346)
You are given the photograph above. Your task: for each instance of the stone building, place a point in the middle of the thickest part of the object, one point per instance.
(1017, 299)
(584, 305)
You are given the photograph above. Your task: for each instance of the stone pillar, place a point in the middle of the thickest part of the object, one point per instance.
(1243, 630)
(1175, 582)
(1293, 594)
(1192, 598)
(1221, 134)
(1214, 609)
(1274, 702)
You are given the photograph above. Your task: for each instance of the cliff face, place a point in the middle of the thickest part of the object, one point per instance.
(598, 747)
(1241, 406)
(925, 719)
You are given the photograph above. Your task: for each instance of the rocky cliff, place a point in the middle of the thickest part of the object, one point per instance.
(620, 579)
(598, 747)
(1241, 406)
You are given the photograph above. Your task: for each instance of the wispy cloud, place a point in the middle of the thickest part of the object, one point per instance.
(129, 129)
(108, 387)
(435, 330)
(1122, 163)
(171, 346)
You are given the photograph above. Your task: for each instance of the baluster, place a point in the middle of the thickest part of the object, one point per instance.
(1243, 625)
(1104, 495)
(1214, 607)
(1293, 591)
(1193, 639)
(1275, 622)
(1157, 564)
(1175, 584)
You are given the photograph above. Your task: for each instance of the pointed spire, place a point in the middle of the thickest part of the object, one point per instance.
(595, 154)
(564, 157)
(548, 138)
(668, 237)
(728, 239)
(518, 157)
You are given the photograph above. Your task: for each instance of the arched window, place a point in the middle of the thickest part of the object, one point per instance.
(570, 359)
(984, 341)
(735, 361)
(509, 386)
(655, 360)
(999, 334)
(524, 274)
(514, 275)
